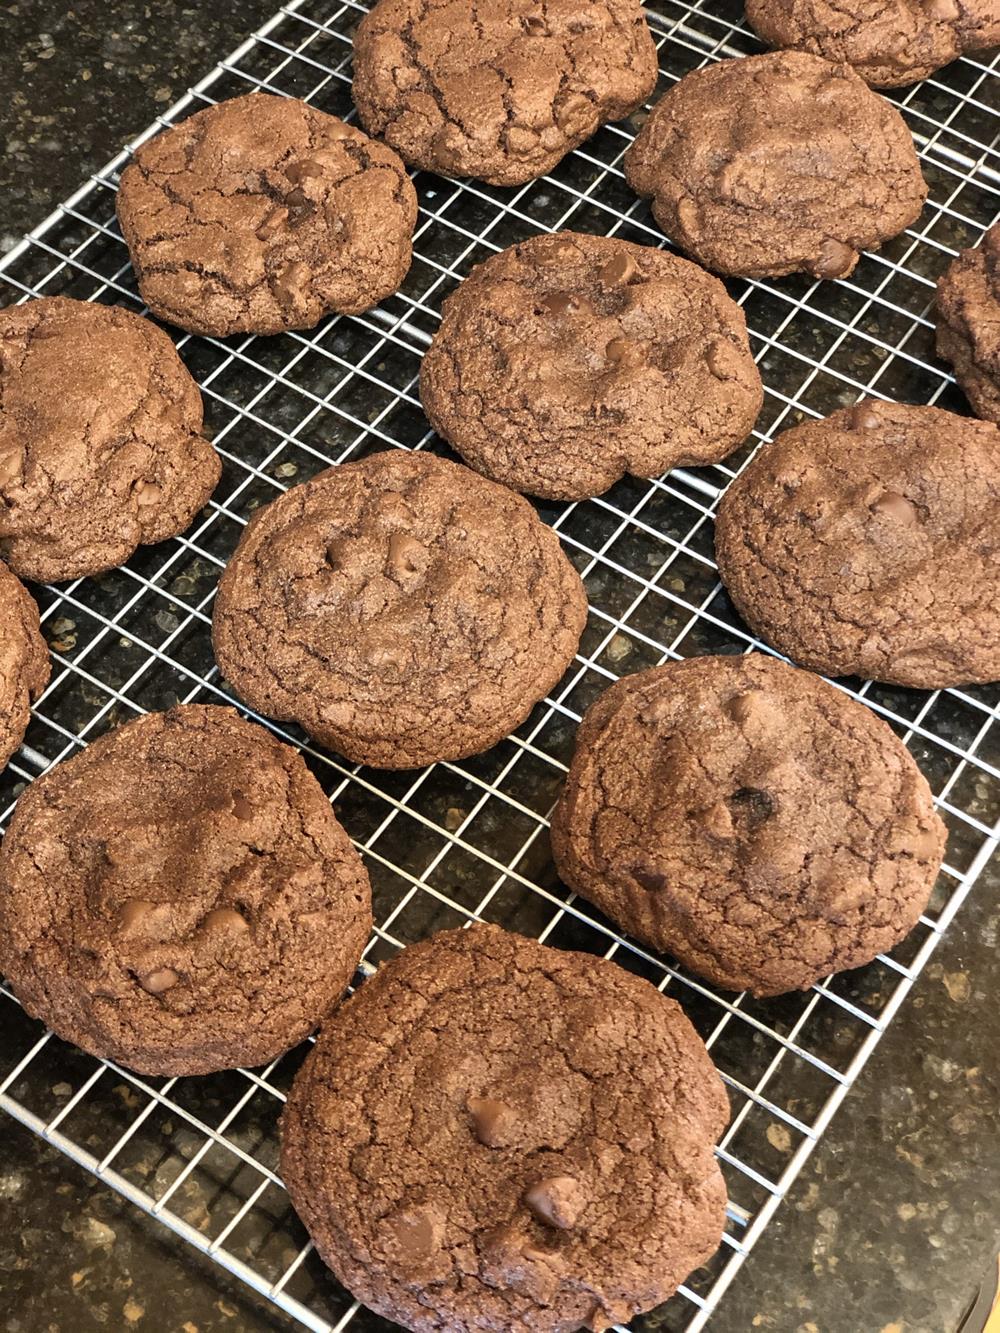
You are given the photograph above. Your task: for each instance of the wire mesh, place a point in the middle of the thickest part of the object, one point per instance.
(464, 840)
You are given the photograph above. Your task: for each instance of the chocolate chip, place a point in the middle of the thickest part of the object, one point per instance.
(224, 921)
(159, 980)
(864, 416)
(535, 25)
(406, 555)
(564, 303)
(135, 912)
(302, 170)
(948, 11)
(723, 360)
(291, 282)
(625, 354)
(299, 206)
(492, 1121)
(272, 223)
(688, 216)
(146, 493)
(242, 808)
(410, 1236)
(649, 878)
(11, 466)
(557, 1201)
(620, 270)
(717, 821)
(835, 259)
(575, 113)
(896, 507)
(339, 129)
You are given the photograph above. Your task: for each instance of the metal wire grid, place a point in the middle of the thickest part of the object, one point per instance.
(467, 840)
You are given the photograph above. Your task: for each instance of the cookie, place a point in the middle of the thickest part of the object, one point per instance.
(401, 609)
(495, 1135)
(868, 544)
(888, 44)
(569, 360)
(100, 443)
(498, 89)
(749, 819)
(777, 164)
(968, 323)
(24, 662)
(262, 214)
(179, 897)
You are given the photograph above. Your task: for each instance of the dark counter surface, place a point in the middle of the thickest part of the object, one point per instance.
(891, 1225)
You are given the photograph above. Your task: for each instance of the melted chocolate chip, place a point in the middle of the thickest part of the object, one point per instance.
(406, 555)
(948, 11)
(492, 1121)
(302, 170)
(648, 878)
(625, 354)
(723, 360)
(159, 980)
(242, 808)
(557, 1201)
(564, 303)
(11, 466)
(224, 921)
(291, 282)
(135, 912)
(864, 416)
(620, 270)
(146, 493)
(896, 507)
(835, 259)
(411, 1236)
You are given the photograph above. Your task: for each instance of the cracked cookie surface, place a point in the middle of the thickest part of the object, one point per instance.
(889, 42)
(179, 897)
(569, 360)
(868, 544)
(500, 90)
(777, 164)
(100, 443)
(968, 323)
(748, 818)
(263, 214)
(496, 1135)
(402, 609)
(24, 662)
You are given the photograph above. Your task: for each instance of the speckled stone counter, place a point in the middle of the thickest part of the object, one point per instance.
(893, 1222)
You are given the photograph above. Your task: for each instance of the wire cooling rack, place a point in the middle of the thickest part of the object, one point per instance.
(469, 840)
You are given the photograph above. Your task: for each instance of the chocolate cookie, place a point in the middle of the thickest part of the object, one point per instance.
(24, 662)
(777, 164)
(401, 609)
(569, 360)
(263, 214)
(100, 450)
(968, 329)
(868, 544)
(494, 1135)
(748, 818)
(889, 42)
(179, 897)
(498, 89)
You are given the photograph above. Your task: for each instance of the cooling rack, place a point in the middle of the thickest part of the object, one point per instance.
(466, 840)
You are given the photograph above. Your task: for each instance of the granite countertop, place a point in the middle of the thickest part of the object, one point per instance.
(891, 1226)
